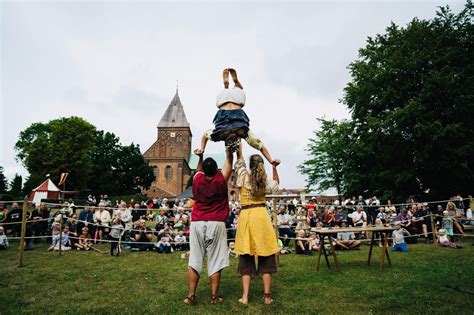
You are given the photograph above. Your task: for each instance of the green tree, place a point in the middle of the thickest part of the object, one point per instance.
(93, 158)
(412, 104)
(411, 100)
(328, 151)
(117, 169)
(3, 181)
(61, 145)
(16, 186)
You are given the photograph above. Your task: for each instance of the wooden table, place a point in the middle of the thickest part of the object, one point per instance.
(327, 232)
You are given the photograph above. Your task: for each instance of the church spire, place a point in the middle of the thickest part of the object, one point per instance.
(174, 116)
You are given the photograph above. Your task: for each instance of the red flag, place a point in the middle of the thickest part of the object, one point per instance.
(62, 178)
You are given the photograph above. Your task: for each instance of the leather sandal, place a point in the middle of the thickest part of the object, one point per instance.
(267, 296)
(215, 299)
(190, 300)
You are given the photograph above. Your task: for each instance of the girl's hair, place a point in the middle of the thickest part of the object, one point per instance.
(233, 73)
(258, 177)
(451, 205)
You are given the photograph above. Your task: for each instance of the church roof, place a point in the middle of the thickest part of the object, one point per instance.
(174, 116)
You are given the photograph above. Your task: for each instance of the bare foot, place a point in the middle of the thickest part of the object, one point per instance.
(244, 301)
(275, 163)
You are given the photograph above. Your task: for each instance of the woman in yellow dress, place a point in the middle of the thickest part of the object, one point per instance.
(255, 234)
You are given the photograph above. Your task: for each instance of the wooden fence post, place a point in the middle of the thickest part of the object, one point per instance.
(433, 230)
(23, 232)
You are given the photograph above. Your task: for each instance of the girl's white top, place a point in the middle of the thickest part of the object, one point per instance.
(235, 95)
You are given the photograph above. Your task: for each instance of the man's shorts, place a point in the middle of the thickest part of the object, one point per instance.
(208, 238)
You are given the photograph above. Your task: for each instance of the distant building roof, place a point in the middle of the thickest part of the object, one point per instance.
(174, 115)
(218, 157)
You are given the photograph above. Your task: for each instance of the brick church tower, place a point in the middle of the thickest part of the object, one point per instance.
(169, 155)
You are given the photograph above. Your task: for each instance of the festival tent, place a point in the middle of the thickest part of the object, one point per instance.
(47, 190)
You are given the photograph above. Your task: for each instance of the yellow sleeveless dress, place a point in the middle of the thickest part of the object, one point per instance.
(255, 233)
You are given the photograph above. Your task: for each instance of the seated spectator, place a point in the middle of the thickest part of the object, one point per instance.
(56, 226)
(359, 218)
(292, 222)
(330, 217)
(41, 215)
(84, 242)
(102, 219)
(161, 220)
(447, 223)
(137, 213)
(164, 244)
(399, 238)
(180, 242)
(457, 216)
(141, 238)
(302, 244)
(313, 242)
(312, 218)
(346, 240)
(340, 215)
(3, 213)
(301, 221)
(86, 219)
(469, 219)
(420, 221)
(283, 222)
(283, 250)
(181, 220)
(445, 242)
(3, 239)
(63, 240)
(382, 215)
(404, 218)
(15, 216)
(390, 209)
(73, 229)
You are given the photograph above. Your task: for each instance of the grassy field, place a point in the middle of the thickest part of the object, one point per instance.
(425, 280)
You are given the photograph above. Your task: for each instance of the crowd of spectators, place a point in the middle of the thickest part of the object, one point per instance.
(162, 225)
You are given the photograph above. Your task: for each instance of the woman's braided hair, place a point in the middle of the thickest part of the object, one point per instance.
(257, 177)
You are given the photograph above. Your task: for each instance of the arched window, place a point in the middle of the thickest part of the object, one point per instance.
(179, 138)
(168, 172)
(155, 171)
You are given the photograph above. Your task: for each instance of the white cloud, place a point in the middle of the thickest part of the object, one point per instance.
(116, 65)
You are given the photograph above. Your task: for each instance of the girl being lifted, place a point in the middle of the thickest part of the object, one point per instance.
(231, 123)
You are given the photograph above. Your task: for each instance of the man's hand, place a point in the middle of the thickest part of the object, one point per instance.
(199, 152)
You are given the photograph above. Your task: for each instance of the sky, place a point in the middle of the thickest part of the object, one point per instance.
(117, 65)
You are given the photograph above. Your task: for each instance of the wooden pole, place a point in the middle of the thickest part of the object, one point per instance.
(23, 232)
(433, 230)
(275, 227)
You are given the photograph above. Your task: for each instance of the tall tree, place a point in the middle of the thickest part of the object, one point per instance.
(328, 152)
(16, 186)
(61, 145)
(411, 100)
(93, 158)
(3, 181)
(412, 104)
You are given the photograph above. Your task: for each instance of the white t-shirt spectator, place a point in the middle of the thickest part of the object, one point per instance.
(283, 220)
(358, 217)
(346, 236)
(399, 236)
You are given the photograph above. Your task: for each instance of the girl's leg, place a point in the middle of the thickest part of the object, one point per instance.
(267, 287)
(245, 289)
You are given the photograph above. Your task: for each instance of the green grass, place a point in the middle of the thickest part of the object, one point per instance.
(144, 283)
